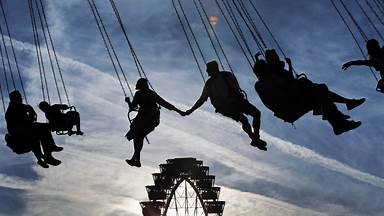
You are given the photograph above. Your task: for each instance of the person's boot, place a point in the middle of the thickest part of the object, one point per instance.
(79, 133)
(133, 162)
(49, 159)
(70, 133)
(42, 163)
(354, 103)
(346, 126)
(57, 148)
(130, 162)
(260, 144)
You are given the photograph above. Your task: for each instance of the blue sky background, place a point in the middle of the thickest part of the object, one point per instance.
(307, 170)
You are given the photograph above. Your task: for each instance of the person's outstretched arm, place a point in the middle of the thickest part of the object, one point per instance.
(60, 106)
(203, 97)
(162, 102)
(368, 63)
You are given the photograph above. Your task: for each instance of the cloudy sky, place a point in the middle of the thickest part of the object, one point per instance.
(306, 171)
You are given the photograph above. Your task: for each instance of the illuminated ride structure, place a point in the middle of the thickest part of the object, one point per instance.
(183, 187)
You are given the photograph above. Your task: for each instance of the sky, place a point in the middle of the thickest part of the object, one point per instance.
(307, 170)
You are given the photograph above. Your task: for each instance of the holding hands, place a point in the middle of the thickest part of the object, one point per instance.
(184, 113)
(346, 65)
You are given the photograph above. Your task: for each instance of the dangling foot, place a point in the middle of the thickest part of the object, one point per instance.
(42, 164)
(57, 148)
(354, 103)
(52, 161)
(349, 125)
(137, 164)
(260, 144)
(132, 162)
(79, 133)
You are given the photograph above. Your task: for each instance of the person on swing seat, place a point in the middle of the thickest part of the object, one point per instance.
(375, 60)
(228, 99)
(25, 134)
(290, 98)
(60, 121)
(147, 103)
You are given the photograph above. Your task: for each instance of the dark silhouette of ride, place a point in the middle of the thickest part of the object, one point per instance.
(183, 185)
(290, 98)
(25, 134)
(147, 102)
(225, 94)
(375, 60)
(60, 121)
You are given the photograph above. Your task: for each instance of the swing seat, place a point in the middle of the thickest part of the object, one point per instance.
(62, 127)
(286, 101)
(18, 144)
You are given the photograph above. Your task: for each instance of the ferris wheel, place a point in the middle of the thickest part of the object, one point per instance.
(183, 187)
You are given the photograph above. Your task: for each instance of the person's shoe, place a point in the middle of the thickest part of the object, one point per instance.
(260, 144)
(79, 133)
(137, 164)
(70, 133)
(350, 125)
(354, 103)
(132, 162)
(42, 164)
(52, 161)
(57, 149)
(346, 116)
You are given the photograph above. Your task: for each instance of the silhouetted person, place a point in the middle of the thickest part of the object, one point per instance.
(60, 121)
(147, 103)
(291, 98)
(25, 134)
(375, 60)
(226, 96)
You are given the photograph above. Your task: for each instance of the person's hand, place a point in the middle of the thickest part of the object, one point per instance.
(288, 60)
(127, 99)
(188, 112)
(182, 113)
(257, 54)
(346, 66)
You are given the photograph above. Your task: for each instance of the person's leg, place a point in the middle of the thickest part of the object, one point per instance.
(138, 146)
(36, 149)
(251, 110)
(73, 119)
(350, 103)
(47, 143)
(246, 126)
(337, 119)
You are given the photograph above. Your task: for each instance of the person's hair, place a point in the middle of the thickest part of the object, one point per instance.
(15, 95)
(43, 105)
(212, 66)
(271, 55)
(142, 83)
(373, 47)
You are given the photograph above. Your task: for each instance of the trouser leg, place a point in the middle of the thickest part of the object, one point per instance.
(333, 115)
(73, 119)
(251, 110)
(36, 149)
(45, 137)
(337, 98)
(138, 146)
(247, 127)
